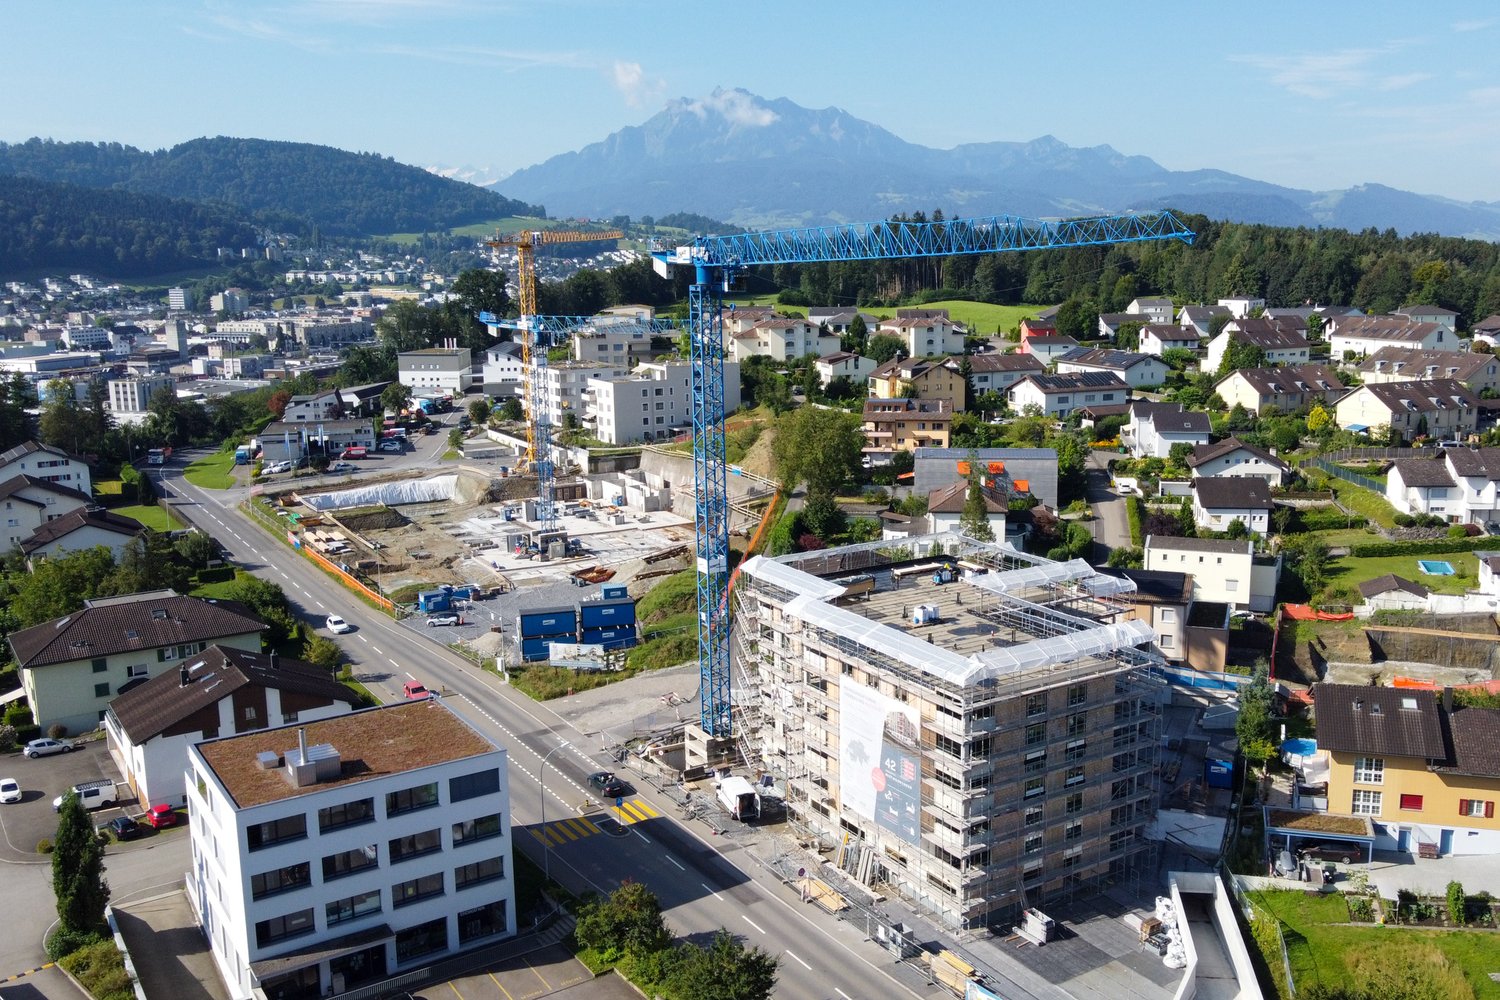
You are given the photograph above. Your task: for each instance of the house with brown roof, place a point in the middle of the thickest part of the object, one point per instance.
(1223, 569)
(1393, 593)
(1282, 341)
(994, 371)
(1232, 458)
(1423, 770)
(222, 691)
(1218, 503)
(1048, 349)
(1200, 318)
(923, 378)
(1154, 428)
(1280, 390)
(1423, 486)
(843, 364)
(926, 333)
(72, 667)
(1187, 630)
(945, 506)
(1159, 338)
(892, 425)
(779, 338)
(49, 464)
(1403, 364)
(1361, 336)
(79, 529)
(1440, 408)
(1442, 316)
(30, 502)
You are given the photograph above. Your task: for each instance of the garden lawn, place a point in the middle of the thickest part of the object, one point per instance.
(1363, 502)
(1319, 950)
(151, 516)
(979, 317)
(1348, 571)
(212, 472)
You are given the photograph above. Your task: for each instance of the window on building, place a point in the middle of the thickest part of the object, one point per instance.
(346, 814)
(1034, 788)
(1369, 770)
(979, 748)
(488, 870)
(1411, 802)
(1078, 694)
(1033, 843)
(414, 890)
(481, 828)
(471, 786)
(276, 831)
(1164, 641)
(424, 939)
(1036, 704)
(1472, 807)
(280, 928)
(1073, 831)
(952, 748)
(1366, 803)
(1036, 734)
(349, 862)
(101, 690)
(415, 845)
(136, 670)
(1074, 804)
(1033, 815)
(481, 922)
(1076, 750)
(1078, 723)
(99, 665)
(1075, 777)
(1036, 762)
(280, 880)
(352, 907)
(411, 799)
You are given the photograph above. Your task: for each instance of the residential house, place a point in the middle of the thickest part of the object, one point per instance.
(1401, 364)
(30, 502)
(1445, 318)
(613, 340)
(1280, 390)
(1489, 572)
(1361, 336)
(1159, 338)
(1476, 471)
(1059, 395)
(1394, 593)
(332, 856)
(1187, 630)
(1154, 428)
(1441, 408)
(1223, 569)
(446, 368)
(926, 336)
(997, 372)
(1280, 342)
(843, 364)
(1110, 323)
(79, 529)
(1233, 459)
(1154, 310)
(1487, 329)
(945, 507)
(1241, 306)
(1026, 470)
(841, 321)
(1036, 328)
(503, 372)
(1200, 319)
(223, 691)
(922, 378)
(565, 388)
(1424, 486)
(1135, 369)
(1424, 772)
(781, 339)
(654, 403)
(49, 464)
(1048, 349)
(73, 666)
(326, 405)
(1218, 502)
(892, 425)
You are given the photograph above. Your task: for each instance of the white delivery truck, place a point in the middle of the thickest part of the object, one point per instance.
(740, 798)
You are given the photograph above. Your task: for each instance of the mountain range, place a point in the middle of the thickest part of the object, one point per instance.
(764, 163)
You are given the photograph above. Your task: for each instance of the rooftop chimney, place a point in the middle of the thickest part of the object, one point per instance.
(1448, 700)
(275, 664)
(183, 676)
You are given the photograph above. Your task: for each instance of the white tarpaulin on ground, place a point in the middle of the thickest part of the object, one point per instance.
(1315, 769)
(390, 494)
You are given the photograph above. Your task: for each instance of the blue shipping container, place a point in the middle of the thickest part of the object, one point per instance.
(432, 600)
(1218, 773)
(601, 614)
(535, 649)
(613, 592)
(547, 622)
(619, 637)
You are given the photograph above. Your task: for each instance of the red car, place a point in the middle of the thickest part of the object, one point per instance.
(416, 689)
(159, 817)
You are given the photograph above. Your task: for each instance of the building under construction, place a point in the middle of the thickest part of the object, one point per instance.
(971, 728)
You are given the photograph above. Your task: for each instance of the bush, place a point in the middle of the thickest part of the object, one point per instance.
(44, 846)
(1321, 520)
(1405, 520)
(1456, 903)
(1435, 546)
(66, 942)
(18, 715)
(7, 739)
(100, 968)
(57, 730)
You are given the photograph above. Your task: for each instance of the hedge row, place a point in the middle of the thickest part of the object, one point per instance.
(1430, 547)
(1322, 520)
(1133, 516)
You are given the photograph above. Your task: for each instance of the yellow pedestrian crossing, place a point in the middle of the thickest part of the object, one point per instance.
(573, 828)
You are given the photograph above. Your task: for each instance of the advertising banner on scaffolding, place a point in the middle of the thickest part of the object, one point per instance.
(880, 762)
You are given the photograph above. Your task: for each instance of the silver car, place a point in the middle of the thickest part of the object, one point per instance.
(45, 748)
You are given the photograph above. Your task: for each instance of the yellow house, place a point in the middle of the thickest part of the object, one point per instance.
(1426, 774)
(916, 377)
(893, 425)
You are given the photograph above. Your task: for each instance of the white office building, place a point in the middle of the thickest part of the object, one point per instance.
(652, 404)
(450, 368)
(133, 395)
(343, 852)
(564, 387)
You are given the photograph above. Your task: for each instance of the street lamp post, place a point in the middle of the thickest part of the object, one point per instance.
(541, 777)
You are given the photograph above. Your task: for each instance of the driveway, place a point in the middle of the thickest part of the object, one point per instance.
(1112, 530)
(24, 823)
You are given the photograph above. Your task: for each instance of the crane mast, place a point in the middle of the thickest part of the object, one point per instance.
(716, 260)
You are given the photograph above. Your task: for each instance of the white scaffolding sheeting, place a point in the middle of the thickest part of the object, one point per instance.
(1040, 575)
(1056, 650)
(786, 577)
(1101, 585)
(893, 642)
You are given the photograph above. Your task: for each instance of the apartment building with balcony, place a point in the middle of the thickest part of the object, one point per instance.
(984, 743)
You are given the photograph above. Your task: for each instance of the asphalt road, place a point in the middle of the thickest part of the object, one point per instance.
(1111, 524)
(702, 889)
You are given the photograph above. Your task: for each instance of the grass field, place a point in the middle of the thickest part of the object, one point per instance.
(1363, 502)
(507, 224)
(1323, 953)
(212, 472)
(1346, 571)
(151, 516)
(979, 317)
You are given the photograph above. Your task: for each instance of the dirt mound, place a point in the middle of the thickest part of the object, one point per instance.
(758, 457)
(371, 519)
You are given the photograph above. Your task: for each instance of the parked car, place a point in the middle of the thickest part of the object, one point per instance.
(337, 625)
(161, 816)
(355, 452)
(93, 795)
(341, 467)
(10, 790)
(123, 828)
(45, 747)
(608, 786)
(444, 618)
(1344, 854)
(415, 689)
(390, 444)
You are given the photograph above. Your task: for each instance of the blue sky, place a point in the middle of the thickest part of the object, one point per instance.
(1317, 96)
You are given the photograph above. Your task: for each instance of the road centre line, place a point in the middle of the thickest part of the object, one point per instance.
(711, 891)
(799, 961)
(841, 993)
(674, 861)
(752, 923)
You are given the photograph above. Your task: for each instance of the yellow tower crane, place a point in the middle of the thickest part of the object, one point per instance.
(534, 356)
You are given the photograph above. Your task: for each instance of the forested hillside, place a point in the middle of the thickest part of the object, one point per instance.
(285, 184)
(119, 233)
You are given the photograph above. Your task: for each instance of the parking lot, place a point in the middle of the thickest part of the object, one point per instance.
(31, 820)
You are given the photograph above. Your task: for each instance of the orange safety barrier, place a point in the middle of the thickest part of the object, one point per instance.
(346, 579)
(1304, 613)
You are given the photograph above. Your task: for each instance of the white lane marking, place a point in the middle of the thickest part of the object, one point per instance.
(674, 861)
(799, 961)
(715, 894)
(841, 993)
(378, 650)
(394, 664)
(283, 575)
(752, 923)
(643, 837)
(361, 638)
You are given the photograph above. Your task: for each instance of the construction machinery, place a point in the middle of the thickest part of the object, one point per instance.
(717, 262)
(534, 356)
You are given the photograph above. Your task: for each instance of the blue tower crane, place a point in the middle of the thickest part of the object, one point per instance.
(717, 260)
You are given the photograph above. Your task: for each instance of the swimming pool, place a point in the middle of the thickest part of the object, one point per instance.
(1435, 567)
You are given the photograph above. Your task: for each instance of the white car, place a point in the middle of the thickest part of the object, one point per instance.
(10, 790)
(277, 467)
(337, 625)
(43, 748)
